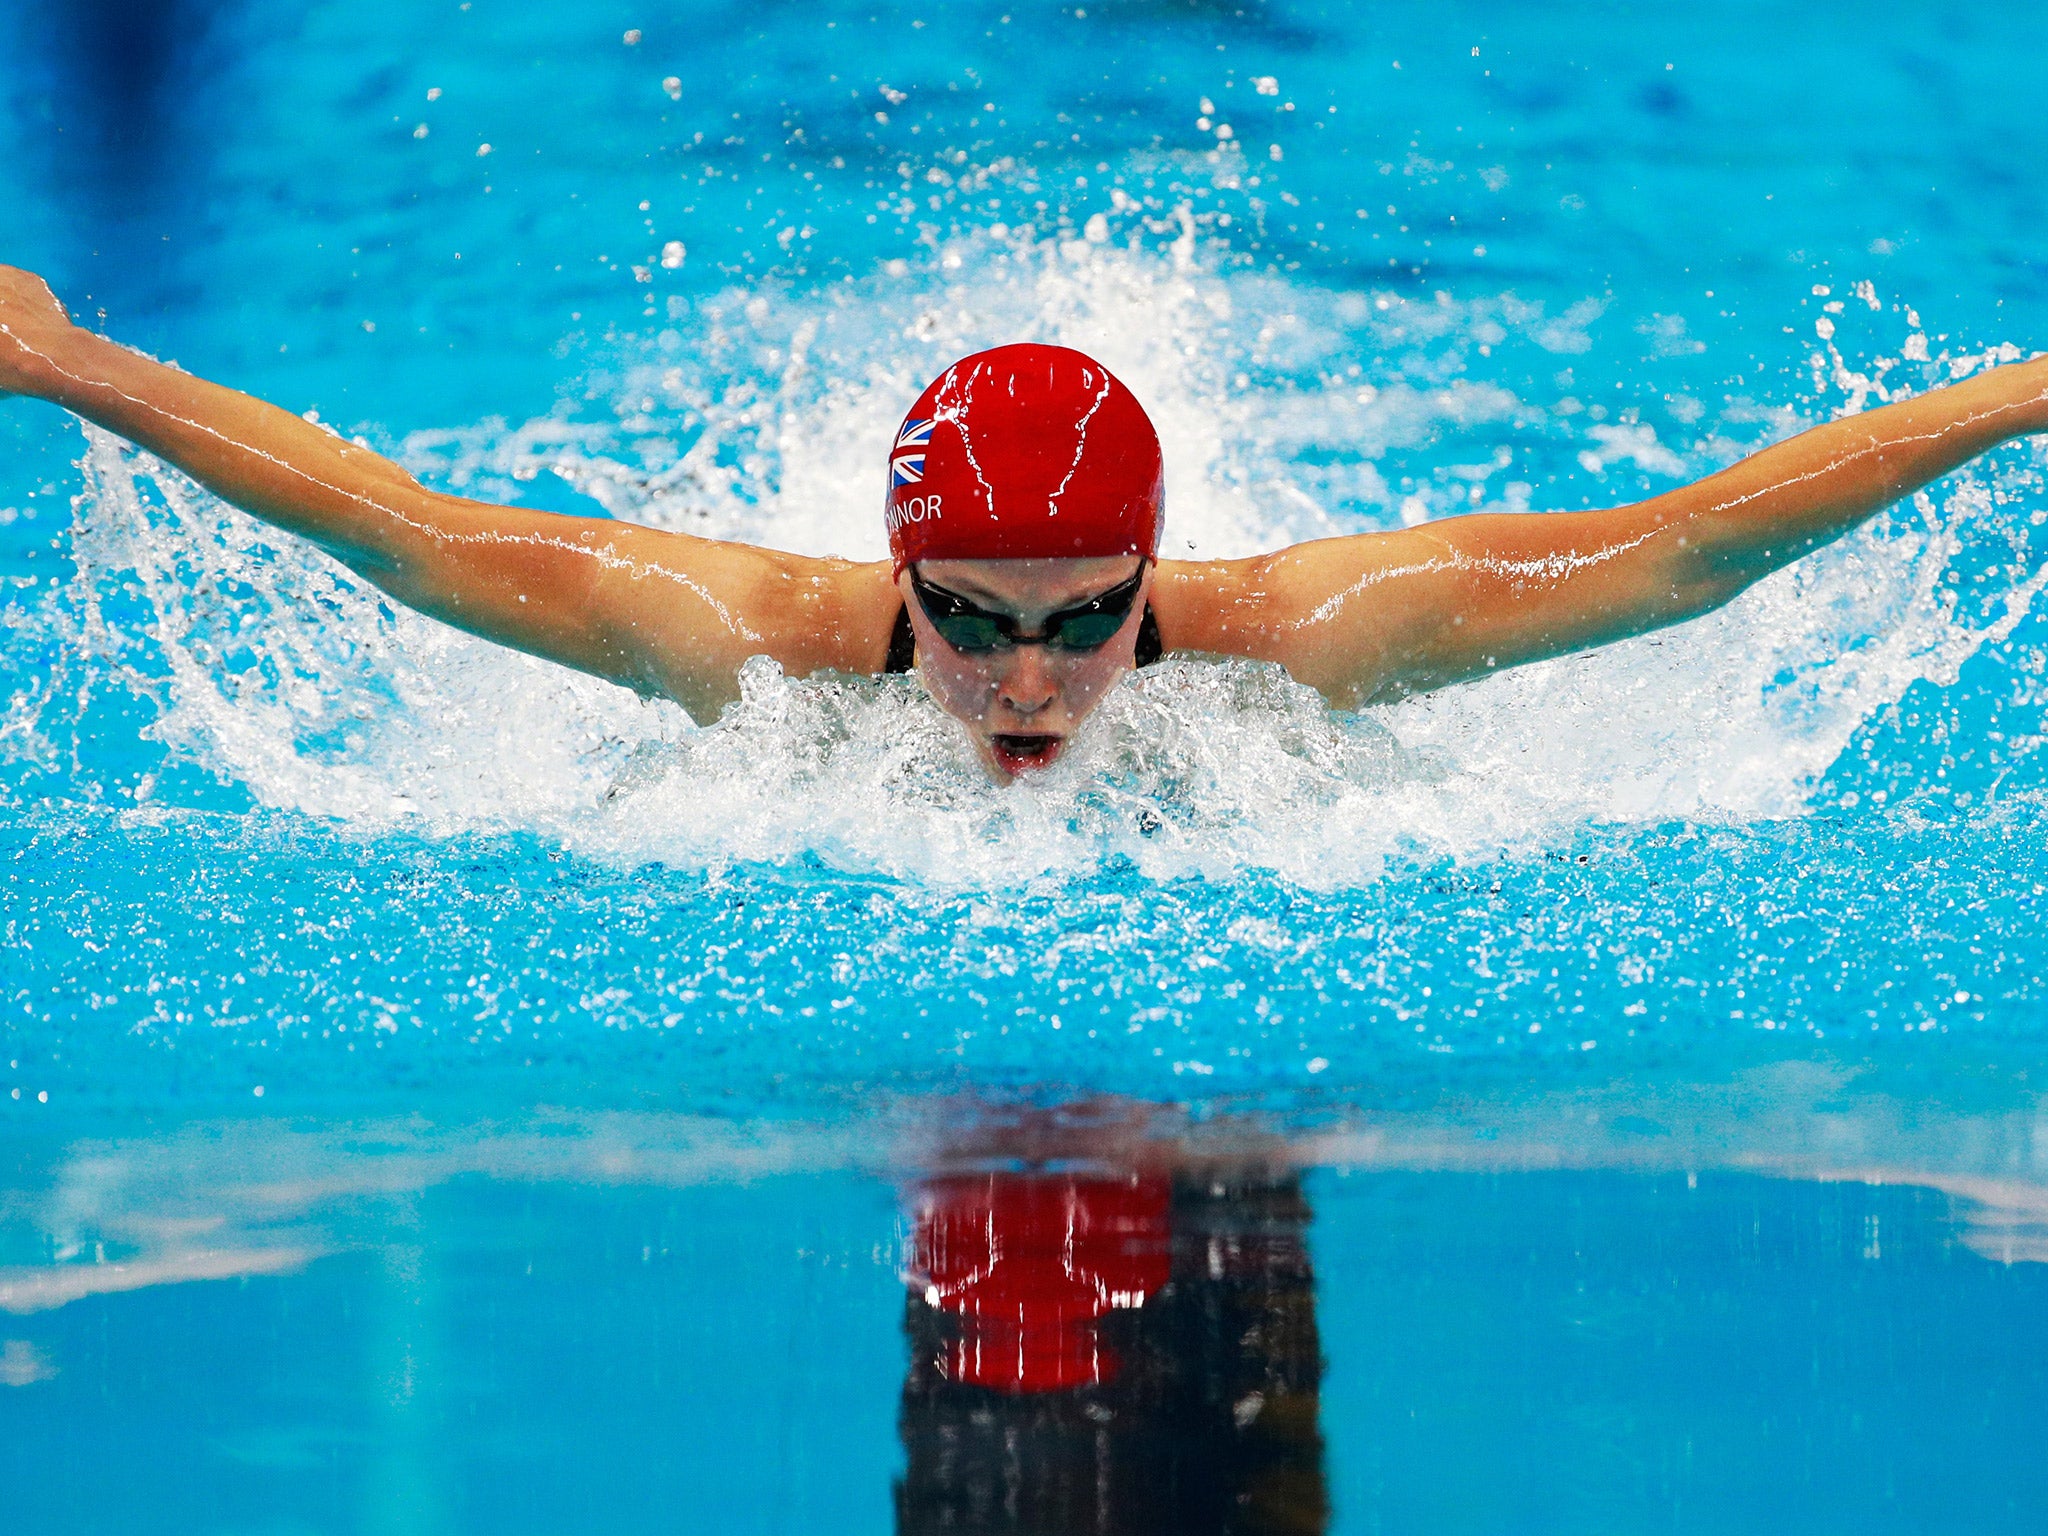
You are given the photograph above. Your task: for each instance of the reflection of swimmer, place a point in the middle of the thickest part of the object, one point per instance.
(1023, 511)
(1130, 1352)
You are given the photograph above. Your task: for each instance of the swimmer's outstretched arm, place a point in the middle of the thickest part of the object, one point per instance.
(663, 613)
(1381, 615)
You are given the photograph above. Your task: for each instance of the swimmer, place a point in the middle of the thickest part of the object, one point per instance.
(1024, 506)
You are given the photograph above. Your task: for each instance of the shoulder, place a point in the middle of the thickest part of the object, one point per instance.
(1322, 609)
(830, 615)
(714, 603)
(809, 613)
(1256, 606)
(816, 613)
(1204, 605)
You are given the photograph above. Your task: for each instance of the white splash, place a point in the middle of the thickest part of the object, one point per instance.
(770, 419)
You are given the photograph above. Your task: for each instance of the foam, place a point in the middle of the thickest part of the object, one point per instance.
(763, 415)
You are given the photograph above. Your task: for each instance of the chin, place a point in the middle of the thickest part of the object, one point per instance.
(1015, 753)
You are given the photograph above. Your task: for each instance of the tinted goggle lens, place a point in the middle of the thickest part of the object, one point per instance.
(966, 627)
(966, 631)
(1087, 631)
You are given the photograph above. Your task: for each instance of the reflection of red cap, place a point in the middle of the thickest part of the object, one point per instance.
(1029, 1263)
(1024, 452)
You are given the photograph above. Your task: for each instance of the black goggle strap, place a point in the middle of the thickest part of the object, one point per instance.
(941, 604)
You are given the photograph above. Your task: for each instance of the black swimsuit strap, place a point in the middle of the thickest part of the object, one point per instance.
(1149, 648)
(903, 642)
(902, 645)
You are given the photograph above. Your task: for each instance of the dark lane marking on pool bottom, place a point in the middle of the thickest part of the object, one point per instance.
(1504, 1352)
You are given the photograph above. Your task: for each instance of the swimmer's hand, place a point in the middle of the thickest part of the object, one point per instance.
(33, 329)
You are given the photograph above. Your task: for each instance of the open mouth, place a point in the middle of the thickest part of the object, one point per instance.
(1018, 753)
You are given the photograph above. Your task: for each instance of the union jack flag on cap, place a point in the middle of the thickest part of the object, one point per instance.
(907, 460)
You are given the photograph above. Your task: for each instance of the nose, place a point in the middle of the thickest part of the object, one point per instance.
(1027, 686)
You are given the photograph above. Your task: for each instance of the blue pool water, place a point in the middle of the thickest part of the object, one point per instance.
(441, 1093)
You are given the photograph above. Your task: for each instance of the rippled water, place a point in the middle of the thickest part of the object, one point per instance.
(305, 879)
(1721, 829)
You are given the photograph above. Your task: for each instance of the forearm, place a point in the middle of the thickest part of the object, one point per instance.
(346, 498)
(1776, 505)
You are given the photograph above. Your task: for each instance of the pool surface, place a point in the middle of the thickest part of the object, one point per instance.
(440, 1093)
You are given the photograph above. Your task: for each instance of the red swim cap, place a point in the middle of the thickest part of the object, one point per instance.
(1024, 452)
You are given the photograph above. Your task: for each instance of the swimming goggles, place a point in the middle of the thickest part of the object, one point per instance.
(967, 627)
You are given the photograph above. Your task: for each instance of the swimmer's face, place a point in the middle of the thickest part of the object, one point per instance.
(1022, 703)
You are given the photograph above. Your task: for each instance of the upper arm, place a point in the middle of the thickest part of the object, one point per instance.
(1379, 615)
(663, 613)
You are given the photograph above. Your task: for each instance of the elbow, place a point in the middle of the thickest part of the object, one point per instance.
(1705, 572)
(378, 566)
(1711, 584)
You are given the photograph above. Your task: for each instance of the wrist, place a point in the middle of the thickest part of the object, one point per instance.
(2033, 396)
(62, 364)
